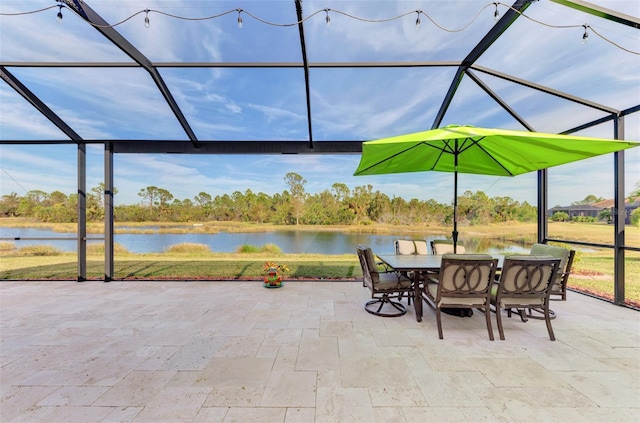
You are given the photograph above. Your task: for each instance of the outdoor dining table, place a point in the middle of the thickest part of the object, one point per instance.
(419, 264)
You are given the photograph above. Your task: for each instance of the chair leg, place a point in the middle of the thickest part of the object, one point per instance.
(438, 319)
(488, 316)
(499, 320)
(547, 319)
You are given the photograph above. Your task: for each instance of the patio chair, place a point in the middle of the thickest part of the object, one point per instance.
(464, 282)
(445, 246)
(385, 286)
(415, 246)
(525, 282)
(559, 287)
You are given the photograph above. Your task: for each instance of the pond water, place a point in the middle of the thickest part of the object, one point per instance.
(291, 242)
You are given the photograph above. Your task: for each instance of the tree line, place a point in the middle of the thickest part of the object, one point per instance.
(339, 205)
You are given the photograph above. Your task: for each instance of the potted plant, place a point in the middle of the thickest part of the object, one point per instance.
(274, 272)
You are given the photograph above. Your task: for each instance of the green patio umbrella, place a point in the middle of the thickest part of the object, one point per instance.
(481, 151)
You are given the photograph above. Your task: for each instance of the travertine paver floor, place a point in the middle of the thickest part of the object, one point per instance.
(236, 352)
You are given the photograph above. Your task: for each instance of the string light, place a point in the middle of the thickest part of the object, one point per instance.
(147, 24)
(585, 36)
(496, 16)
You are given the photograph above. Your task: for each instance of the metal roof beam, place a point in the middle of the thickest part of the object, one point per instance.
(494, 33)
(237, 147)
(498, 100)
(303, 46)
(83, 10)
(601, 12)
(38, 104)
(547, 90)
(239, 65)
(211, 146)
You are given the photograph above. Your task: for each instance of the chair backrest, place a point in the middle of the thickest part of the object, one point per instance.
(525, 278)
(566, 261)
(406, 246)
(370, 273)
(466, 275)
(445, 246)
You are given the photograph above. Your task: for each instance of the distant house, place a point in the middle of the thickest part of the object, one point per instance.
(585, 210)
(593, 210)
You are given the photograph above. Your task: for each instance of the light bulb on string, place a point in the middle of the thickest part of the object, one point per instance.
(147, 24)
(496, 14)
(418, 19)
(327, 18)
(59, 15)
(585, 36)
(240, 24)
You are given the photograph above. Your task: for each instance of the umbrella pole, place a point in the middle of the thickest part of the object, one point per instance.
(454, 234)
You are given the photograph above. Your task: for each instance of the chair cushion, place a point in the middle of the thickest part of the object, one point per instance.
(446, 247)
(421, 247)
(392, 281)
(553, 251)
(406, 246)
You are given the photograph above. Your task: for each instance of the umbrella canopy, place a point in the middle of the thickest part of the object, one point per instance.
(481, 151)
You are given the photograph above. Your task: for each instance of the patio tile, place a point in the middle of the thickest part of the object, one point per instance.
(372, 372)
(611, 389)
(17, 400)
(317, 353)
(290, 389)
(432, 414)
(63, 414)
(300, 415)
(255, 415)
(122, 414)
(397, 397)
(195, 354)
(135, 389)
(447, 389)
(501, 371)
(236, 372)
(221, 396)
(389, 415)
(344, 405)
(211, 415)
(74, 396)
(173, 405)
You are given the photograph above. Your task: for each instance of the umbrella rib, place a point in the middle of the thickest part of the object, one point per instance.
(476, 143)
(388, 158)
(399, 153)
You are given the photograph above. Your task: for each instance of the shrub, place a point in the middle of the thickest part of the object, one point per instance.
(635, 217)
(98, 249)
(271, 248)
(188, 248)
(247, 248)
(560, 216)
(39, 250)
(7, 245)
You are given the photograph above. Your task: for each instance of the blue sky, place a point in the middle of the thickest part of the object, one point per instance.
(364, 104)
